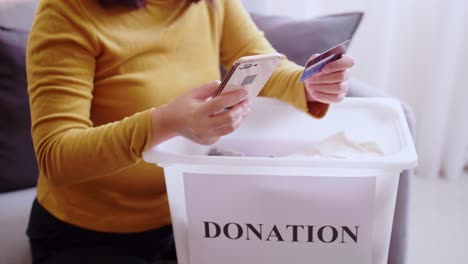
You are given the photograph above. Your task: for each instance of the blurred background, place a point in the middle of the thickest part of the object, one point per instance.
(416, 50)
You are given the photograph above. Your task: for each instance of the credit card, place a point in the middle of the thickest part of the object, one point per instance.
(315, 65)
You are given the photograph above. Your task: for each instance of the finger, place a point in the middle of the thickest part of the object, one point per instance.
(327, 98)
(313, 56)
(205, 91)
(227, 129)
(231, 116)
(208, 141)
(342, 64)
(223, 101)
(327, 78)
(334, 88)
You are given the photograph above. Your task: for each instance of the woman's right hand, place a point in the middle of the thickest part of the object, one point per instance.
(195, 117)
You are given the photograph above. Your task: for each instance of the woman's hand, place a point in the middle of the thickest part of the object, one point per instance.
(331, 84)
(195, 117)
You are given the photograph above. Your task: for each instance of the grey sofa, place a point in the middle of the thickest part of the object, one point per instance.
(15, 205)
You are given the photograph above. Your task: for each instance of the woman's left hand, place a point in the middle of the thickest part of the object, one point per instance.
(330, 85)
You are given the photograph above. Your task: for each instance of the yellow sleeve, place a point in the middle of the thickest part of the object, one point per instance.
(241, 37)
(60, 69)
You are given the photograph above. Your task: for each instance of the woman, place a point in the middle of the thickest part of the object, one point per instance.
(109, 79)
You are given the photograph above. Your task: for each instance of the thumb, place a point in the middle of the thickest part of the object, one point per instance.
(205, 91)
(313, 56)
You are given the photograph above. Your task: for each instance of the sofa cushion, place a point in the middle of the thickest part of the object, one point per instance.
(14, 216)
(17, 14)
(18, 167)
(299, 39)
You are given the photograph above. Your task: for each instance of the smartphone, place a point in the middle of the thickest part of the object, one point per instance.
(249, 73)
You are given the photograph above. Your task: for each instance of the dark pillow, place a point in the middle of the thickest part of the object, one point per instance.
(300, 39)
(18, 167)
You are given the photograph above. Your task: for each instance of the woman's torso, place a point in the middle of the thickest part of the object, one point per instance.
(145, 58)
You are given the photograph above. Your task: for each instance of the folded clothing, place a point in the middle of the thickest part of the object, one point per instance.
(339, 146)
(336, 146)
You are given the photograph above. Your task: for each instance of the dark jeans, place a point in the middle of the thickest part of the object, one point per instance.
(54, 241)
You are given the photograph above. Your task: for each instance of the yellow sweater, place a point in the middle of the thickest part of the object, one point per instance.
(95, 74)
